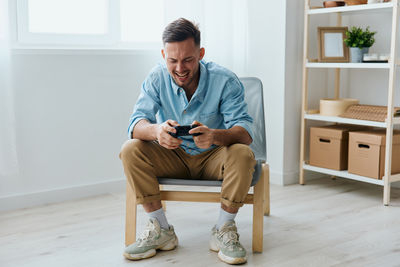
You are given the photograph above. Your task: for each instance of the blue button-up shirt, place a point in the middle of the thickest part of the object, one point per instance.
(218, 102)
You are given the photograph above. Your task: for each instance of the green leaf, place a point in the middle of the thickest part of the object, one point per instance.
(357, 37)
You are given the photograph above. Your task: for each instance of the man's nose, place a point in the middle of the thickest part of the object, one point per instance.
(179, 67)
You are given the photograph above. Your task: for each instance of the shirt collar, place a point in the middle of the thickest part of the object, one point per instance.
(200, 91)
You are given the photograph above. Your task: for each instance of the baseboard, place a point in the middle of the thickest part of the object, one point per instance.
(288, 178)
(20, 201)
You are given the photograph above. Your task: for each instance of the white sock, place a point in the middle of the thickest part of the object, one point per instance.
(225, 217)
(160, 216)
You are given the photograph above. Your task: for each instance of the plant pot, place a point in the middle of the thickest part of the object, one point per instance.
(356, 54)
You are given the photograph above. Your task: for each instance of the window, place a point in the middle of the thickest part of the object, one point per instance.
(111, 23)
(142, 21)
(68, 17)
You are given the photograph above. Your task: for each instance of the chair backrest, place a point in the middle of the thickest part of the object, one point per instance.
(255, 103)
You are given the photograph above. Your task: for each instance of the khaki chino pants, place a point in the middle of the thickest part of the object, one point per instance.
(143, 161)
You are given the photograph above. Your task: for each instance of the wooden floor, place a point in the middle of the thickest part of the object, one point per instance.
(324, 223)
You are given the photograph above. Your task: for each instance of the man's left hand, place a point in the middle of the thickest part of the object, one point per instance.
(206, 139)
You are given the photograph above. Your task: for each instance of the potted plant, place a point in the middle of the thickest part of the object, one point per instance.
(359, 42)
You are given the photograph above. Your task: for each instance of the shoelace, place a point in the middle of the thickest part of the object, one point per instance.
(147, 233)
(229, 236)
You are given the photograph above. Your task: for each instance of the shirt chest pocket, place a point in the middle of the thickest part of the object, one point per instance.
(212, 119)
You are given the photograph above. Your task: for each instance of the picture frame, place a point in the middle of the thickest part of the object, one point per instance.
(331, 47)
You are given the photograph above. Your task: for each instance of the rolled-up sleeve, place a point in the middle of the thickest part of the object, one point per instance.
(234, 108)
(147, 104)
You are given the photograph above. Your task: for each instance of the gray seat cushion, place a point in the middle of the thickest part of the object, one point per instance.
(193, 182)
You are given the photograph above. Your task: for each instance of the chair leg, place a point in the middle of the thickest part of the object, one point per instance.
(258, 217)
(130, 219)
(265, 174)
(163, 203)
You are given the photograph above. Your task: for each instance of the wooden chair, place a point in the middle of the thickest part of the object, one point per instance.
(260, 197)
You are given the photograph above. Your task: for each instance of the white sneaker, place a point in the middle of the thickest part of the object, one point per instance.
(225, 241)
(153, 238)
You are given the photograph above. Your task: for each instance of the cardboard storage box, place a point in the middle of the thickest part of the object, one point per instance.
(367, 153)
(329, 146)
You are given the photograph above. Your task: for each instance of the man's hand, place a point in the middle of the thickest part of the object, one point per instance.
(206, 139)
(164, 138)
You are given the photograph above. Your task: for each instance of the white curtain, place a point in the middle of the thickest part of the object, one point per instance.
(8, 152)
(224, 29)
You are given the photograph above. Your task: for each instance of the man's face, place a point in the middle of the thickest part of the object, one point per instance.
(182, 59)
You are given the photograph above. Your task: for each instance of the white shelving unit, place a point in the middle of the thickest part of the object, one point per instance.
(390, 8)
(343, 174)
(350, 9)
(317, 117)
(348, 65)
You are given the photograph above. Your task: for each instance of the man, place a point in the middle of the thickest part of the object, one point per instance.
(187, 90)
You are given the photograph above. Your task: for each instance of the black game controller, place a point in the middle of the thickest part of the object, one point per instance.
(184, 130)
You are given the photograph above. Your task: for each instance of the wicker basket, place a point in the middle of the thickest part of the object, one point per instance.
(368, 112)
(356, 2)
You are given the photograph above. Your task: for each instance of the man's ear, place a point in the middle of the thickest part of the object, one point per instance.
(163, 53)
(202, 52)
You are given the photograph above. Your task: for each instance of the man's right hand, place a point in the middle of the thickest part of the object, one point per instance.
(164, 138)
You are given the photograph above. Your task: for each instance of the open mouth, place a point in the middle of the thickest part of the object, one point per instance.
(182, 77)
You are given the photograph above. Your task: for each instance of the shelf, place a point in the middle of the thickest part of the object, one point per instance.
(351, 9)
(348, 65)
(318, 117)
(343, 174)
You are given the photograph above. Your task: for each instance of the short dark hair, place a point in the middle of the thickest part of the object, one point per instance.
(180, 30)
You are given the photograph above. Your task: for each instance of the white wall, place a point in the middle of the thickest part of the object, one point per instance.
(292, 96)
(370, 86)
(267, 61)
(72, 112)
(318, 79)
(275, 56)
